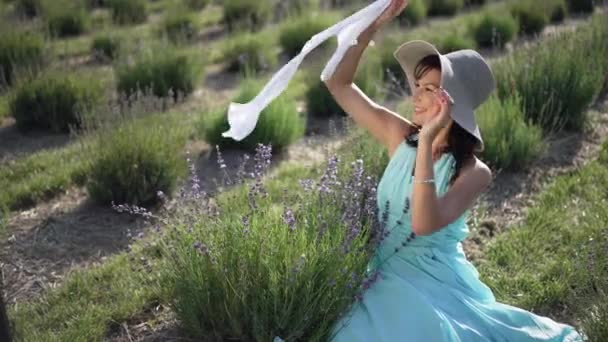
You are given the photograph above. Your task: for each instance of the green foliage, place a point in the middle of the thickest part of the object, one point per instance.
(530, 266)
(246, 14)
(39, 176)
(495, 30)
(179, 26)
(320, 101)
(509, 142)
(106, 47)
(164, 73)
(196, 4)
(581, 6)
(557, 88)
(309, 268)
(475, 2)
(126, 12)
(454, 41)
(20, 52)
(28, 8)
(125, 284)
(133, 161)
(53, 101)
(414, 13)
(65, 18)
(531, 16)
(557, 10)
(298, 31)
(603, 158)
(369, 78)
(445, 7)
(299, 7)
(249, 53)
(279, 124)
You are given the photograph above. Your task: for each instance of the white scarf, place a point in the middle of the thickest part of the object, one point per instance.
(243, 117)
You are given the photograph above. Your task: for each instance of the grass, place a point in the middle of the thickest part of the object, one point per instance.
(89, 303)
(4, 111)
(555, 262)
(40, 176)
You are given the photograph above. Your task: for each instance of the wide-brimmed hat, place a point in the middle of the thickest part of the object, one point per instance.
(465, 75)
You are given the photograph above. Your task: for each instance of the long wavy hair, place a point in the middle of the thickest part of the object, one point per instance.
(460, 142)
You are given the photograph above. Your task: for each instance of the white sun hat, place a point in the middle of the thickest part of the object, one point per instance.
(465, 75)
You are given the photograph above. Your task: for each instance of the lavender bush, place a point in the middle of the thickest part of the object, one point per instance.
(260, 262)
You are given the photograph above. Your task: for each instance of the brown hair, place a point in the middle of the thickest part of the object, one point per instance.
(460, 142)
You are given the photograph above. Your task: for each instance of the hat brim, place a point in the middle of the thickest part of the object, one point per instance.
(410, 54)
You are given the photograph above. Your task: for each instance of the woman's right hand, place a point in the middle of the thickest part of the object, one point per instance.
(393, 10)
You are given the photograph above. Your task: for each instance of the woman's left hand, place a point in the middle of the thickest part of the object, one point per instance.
(441, 120)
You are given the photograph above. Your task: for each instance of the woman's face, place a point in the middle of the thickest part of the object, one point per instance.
(426, 104)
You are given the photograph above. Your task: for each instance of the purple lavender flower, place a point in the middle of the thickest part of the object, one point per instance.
(306, 184)
(220, 160)
(201, 248)
(289, 218)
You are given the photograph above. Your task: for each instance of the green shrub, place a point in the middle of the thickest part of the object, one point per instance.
(603, 158)
(96, 3)
(560, 77)
(28, 8)
(134, 161)
(249, 53)
(179, 26)
(320, 101)
(455, 41)
(66, 19)
(370, 77)
(495, 30)
(557, 10)
(299, 251)
(475, 2)
(298, 7)
(160, 72)
(298, 31)
(445, 7)
(531, 17)
(106, 47)
(126, 12)
(20, 52)
(414, 13)
(247, 14)
(196, 4)
(53, 101)
(279, 124)
(509, 142)
(581, 6)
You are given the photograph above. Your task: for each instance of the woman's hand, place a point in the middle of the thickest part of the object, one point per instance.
(441, 120)
(393, 10)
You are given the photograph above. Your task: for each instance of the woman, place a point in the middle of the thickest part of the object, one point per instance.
(427, 289)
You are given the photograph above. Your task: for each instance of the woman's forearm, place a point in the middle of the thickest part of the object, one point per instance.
(346, 69)
(425, 211)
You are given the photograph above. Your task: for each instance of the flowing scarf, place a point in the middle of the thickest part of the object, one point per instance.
(244, 117)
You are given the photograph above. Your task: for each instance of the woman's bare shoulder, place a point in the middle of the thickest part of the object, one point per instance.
(475, 167)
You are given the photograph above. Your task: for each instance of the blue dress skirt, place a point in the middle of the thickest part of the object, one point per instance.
(427, 290)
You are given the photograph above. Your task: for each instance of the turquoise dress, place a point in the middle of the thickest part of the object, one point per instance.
(427, 290)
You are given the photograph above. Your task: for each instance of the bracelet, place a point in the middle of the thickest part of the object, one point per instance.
(430, 180)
